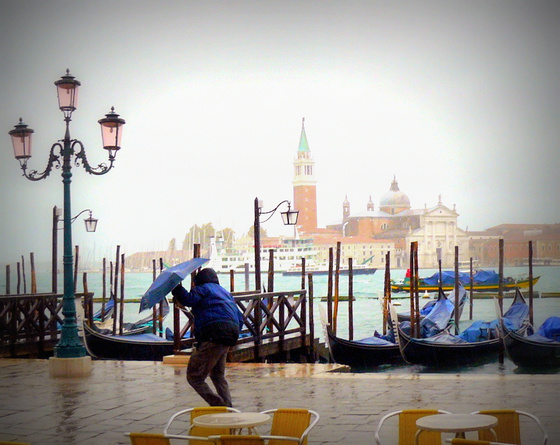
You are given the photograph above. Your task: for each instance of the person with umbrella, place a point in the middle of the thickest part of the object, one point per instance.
(217, 322)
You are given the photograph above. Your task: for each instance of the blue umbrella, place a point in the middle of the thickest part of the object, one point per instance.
(167, 280)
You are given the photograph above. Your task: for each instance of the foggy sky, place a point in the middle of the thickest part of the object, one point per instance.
(458, 98)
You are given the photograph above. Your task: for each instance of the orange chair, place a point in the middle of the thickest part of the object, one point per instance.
(291, 423)
(509, 428)
(233, 439)
(407, 427)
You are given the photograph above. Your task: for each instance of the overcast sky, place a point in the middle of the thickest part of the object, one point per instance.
(458, 98)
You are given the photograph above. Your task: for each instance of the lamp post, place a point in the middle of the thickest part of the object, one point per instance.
(70, 344)
(289, 218)
(91, 226)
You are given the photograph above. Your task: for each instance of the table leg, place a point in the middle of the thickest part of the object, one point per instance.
(417, 435)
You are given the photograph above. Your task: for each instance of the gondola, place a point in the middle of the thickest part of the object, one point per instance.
(365, 353)
(478, 344)
(425, 310)
(141, 326)
(533, 350)
(144, 346)
(380, 350)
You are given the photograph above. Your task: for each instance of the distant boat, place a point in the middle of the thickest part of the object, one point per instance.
(483, 281)
(288, 255)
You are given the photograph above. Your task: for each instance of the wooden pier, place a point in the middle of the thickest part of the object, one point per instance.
(277, 327)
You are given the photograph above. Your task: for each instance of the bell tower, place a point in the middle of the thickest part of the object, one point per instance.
(305, 188)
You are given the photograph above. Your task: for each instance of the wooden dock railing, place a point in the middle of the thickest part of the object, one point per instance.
(274, 318)
(30, 323)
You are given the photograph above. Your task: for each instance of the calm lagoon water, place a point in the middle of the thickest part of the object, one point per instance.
(367, 310)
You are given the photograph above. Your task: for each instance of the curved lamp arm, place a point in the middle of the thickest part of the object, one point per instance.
(53, 158)
(271, 212)
(101, 169)
(83, 211)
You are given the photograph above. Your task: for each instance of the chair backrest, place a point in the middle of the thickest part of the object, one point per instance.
(293, 422)
(148, 439)
(407, 427)
(508, 429)
(203, 431)
(235, 439)
(2, 442)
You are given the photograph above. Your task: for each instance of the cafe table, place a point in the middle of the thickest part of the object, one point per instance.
(234, 421)
(455, 423)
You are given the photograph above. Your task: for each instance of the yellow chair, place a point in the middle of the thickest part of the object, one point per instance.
(291, 423)
(254, 439)
(235, 439)
(508, 429)
(148, 439)
(195, 434)
(407, 427)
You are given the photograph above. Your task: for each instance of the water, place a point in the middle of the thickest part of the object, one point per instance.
(367, 310)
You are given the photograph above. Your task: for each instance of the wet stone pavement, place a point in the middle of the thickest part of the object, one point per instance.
(120, 397)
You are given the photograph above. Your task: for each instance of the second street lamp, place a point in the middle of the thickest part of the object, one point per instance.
(289, 218)
(91, 226)
(61, 154)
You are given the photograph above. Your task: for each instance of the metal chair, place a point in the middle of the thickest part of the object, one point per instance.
(290, 424)
(407, 427)
(195, 434)
(509, 429)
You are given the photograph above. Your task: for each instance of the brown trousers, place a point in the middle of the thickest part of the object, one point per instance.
(209, 359)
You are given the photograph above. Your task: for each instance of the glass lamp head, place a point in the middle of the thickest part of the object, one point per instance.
(67, 90)
(111, 132)
(290, 217)
(21, 141)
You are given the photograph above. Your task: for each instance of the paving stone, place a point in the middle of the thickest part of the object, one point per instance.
(119, 397)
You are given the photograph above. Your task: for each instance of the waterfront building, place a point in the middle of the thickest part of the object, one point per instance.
(484, 245)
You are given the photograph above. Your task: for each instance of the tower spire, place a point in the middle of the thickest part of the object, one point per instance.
(303, 145)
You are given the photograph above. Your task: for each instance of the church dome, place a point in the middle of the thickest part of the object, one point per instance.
(394, 201)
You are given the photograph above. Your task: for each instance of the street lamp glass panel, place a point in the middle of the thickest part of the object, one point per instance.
(111, 131)
(67, 90)
(91, 224)
(21, 140)
(290, 217)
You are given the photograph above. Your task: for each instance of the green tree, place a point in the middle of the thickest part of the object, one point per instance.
(251, 232)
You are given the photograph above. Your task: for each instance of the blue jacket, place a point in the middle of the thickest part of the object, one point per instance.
(210, 303)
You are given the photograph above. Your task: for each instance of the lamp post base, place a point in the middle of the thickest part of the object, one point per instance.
(70, 367)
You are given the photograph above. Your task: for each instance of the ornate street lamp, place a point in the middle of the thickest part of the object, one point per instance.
(289, 218)
(61, 153)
